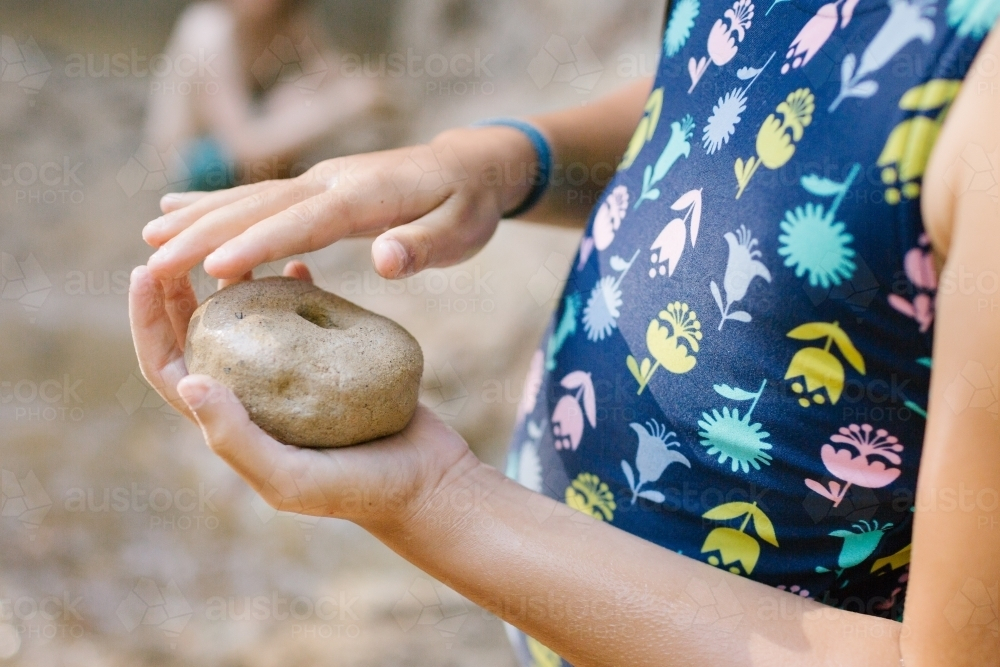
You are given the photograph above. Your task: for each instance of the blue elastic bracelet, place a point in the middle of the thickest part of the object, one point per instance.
(543, 152)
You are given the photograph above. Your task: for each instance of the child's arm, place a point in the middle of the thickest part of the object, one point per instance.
(952, 607)
(441, 202)
(208, 90)
(593, 593)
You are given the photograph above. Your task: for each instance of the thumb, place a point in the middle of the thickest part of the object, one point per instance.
(447, 235)
(228, 430)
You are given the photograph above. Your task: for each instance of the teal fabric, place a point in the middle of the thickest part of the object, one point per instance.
(209, 166)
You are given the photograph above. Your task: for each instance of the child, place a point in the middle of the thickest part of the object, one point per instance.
(252, 83)
(731, 401)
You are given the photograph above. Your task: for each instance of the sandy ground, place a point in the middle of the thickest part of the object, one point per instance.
(124, 540)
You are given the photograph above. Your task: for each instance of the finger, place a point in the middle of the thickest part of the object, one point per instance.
(296, 269)
(302, 227)
(376, 192)
(227, 282)
(164, 228)
(447, 235)
(193, 244)
(281, 474)
(180, 303)
(174, 201)
(161, 359)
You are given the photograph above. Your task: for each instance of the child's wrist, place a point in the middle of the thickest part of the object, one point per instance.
(457, 498)
(503, 163)
(530, 180)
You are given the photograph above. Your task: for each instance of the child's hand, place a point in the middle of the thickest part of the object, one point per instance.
(378, 485)
(440, 203)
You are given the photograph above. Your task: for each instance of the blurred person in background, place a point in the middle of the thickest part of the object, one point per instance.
(261, 85)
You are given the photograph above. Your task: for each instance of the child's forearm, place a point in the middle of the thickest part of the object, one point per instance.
(600, 596)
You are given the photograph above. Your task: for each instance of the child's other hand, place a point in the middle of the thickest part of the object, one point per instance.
(378, 485)
(432, 205)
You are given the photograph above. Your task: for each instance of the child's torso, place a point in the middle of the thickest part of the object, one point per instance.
(738, 369)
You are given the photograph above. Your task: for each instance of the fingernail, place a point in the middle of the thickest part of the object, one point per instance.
(171, 197)
(194, 394)
(152, 227)
(222, 254)
(397, 252)
(159, 256)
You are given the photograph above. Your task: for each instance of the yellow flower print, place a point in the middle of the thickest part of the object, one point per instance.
(588, 494)
(542, 655)
(821, 371)
(797, 111)
(908, 148)
(673, 346)
(645, 129)
(897, 560)
(776, 138)
(735, 549)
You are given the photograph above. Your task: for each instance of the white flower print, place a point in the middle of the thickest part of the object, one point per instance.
(651, 459)
(908, 20)
(529, 465)
(609, 217)
(742, 267)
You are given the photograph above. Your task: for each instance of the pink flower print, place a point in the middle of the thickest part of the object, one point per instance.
(891, 602)
(919, 266)
(863, 470)
(586, 247)
(532, 384)
(816, 32)
(567, 417)
(795, 590)
(723, 38)
(812, 37)
(921, 309)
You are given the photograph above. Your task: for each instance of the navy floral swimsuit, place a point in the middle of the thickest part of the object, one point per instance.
(738, 369)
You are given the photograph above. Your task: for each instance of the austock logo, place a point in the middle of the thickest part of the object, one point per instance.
(265, 513)
(443, 391)
(287, 62)
(152, 170)
(135, 394)
(975, 387)
(429, 603)
(23, 64)
(559, 62)
(164, 607)
(24, 499)
(975, 605)
(23, 281)
(702, 604)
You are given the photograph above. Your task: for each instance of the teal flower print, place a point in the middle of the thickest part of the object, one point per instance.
(566, 328)
(600, 316)
(679, 27)
(812, 242)
(733, 437)
(972, 18)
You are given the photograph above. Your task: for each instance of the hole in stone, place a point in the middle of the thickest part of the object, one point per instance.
(316, 315)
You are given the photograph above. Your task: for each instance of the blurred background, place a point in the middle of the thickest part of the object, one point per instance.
(124, 540)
